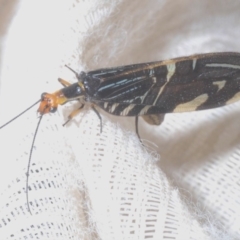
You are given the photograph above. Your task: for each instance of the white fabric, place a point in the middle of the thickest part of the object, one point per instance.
(87, 185)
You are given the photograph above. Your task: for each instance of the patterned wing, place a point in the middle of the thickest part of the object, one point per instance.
(183, 84)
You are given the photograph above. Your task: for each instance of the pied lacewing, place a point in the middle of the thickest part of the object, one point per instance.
(150, 90)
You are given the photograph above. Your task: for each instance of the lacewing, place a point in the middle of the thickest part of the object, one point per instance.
(150, 90)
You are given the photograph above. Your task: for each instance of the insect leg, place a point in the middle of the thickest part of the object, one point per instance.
(64, 82)
(73, 114)
(136, 128)
(99, 116)
(71, 70)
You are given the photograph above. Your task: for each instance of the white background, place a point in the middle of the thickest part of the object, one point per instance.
(193, 156)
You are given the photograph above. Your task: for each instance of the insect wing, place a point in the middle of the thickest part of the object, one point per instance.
(183, 84)
(121, 90)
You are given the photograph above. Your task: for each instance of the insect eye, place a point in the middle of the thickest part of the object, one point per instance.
(53, 109)
(43, 96)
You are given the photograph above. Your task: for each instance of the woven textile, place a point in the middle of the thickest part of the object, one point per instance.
(185, 184)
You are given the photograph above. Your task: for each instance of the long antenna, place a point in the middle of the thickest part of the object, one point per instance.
(4, 125)
(31, 150)
(29, 161)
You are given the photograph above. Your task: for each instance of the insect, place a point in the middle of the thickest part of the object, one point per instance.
(149, 90)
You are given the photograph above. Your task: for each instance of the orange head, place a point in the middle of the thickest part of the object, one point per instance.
(49, 103)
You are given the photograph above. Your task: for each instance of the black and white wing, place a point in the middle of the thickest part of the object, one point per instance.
(179, 85)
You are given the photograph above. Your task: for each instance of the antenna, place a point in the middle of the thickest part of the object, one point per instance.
(29, 161)
(31, 150)
(4, 125)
